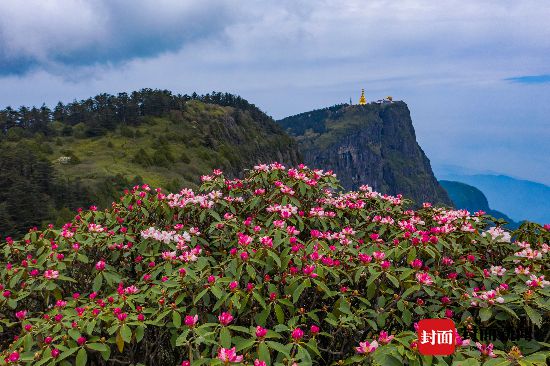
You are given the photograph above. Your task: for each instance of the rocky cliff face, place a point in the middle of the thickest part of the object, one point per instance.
(374, 144)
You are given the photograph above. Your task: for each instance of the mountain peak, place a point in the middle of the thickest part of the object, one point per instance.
(372, 144)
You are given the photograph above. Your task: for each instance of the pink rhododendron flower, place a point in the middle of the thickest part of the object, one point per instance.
(225, 318)
(260, 332)
(297, 334)
(486, 350)
(13, 357)
(229, 355)
(537, 281)
(366, 347)
(498, 270)
(385, 265)
(130, 290)
(417, 263)
(191, 320)
(100, 266)
(384, 338)
(51, 274)
(522, 270)
(424, 278)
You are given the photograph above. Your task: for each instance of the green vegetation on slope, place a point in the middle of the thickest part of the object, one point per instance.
(71, 162)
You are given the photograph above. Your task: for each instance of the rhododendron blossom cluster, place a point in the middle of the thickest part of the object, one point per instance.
(278, 267)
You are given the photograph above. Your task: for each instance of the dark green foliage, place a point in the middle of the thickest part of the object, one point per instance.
(104, 112)
(313, 120)
(25, 190)
(142, 158)
(185, 158)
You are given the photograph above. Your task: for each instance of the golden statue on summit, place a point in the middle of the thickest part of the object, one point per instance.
(362, 100)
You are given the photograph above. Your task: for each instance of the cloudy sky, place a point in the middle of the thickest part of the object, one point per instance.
(475, 74)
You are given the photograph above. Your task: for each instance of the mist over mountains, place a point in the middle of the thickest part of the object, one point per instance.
(520, 199)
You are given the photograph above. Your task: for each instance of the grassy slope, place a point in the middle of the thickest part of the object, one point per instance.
(203, 137)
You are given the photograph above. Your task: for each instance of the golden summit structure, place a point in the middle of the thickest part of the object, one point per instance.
(362, 100)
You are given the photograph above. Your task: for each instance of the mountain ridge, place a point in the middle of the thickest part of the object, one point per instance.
(470, 198)
(55, 161)
(521, 199)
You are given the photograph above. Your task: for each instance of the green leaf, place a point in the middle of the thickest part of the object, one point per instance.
(140, 332)
(263, 353)
(216, 291)
(373, 277)
(182, 338)
(215, 215)
(176, 319)
(406, 316)
(409, 291)
(371, 291)
(538, 359)
(98, 281)
(275, 257)
(412, 255)
(534, 315)
(90, 327)
(200, 295)
(126, 333)
(497, 362)
(466, 362)
(259, 298)
(279, 313)
(119, 342)
(67, 353)
(81, 357)
(278, 347)
(485, 314)
(225, 338)
(73, 333)
(100, 347)
(508, 310)
(262, 316)
(246, 343)
(393, 280)
(251, 272)
(299, 290)
(106, 355)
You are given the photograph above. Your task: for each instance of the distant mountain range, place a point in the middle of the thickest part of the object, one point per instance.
(470, 198)
(519, 199)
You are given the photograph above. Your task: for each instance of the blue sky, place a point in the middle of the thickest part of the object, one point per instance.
(476, 75)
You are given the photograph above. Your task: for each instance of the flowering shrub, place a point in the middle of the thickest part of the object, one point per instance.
(273, 269)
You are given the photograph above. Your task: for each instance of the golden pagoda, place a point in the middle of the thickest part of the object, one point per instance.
(362, 100)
